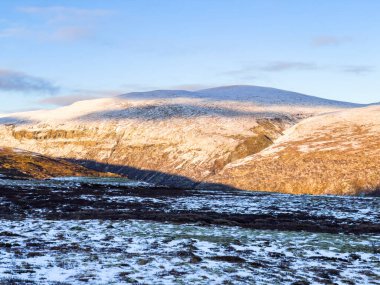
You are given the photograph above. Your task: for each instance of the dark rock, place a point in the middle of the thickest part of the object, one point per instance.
(228, 258)
(195, 259)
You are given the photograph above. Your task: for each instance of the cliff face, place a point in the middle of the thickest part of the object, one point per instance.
(176, 138)
(337, 153)
(16, 163)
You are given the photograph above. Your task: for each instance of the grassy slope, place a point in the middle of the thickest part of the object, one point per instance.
(22, 164)
(330, 154)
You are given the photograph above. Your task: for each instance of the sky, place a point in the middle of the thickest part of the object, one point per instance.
(53, 53)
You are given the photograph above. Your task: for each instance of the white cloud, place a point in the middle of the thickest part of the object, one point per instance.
(288, 65)
(250, 71)
(62, 13)
(322, 41)
(70, 34)
(11, 80)
(78, 95)
(358, 69)
(56, 23)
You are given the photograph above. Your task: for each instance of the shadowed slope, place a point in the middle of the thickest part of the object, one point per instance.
(16, 163)
(156, 111)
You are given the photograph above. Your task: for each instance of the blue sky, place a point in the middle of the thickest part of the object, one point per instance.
(56, 52)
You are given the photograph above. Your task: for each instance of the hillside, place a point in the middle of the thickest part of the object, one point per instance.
(169, 137)
(16, 163)
(336, 153)
(264, 96)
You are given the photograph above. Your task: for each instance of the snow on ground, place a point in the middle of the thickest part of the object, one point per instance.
(261, 97)
(95, 251)
(244, 93)
(337, 124)
(112, 181)
(343, 208)
(119, 252)
(368, 117)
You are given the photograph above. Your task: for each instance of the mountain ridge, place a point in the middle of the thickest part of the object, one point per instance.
(255, 94)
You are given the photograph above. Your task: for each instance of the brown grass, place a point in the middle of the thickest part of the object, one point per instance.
(345, 161)
(29, 165)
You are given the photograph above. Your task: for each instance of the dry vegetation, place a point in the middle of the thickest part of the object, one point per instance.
(334, 159)
(23, 164)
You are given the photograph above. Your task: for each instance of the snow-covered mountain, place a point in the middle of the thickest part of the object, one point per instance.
(170, 137)
(244, 93)
(162, 104)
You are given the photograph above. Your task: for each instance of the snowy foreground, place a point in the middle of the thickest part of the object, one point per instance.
(86, 232)
(115, 252)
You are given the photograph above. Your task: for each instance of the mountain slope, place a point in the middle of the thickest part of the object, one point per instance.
(169, 137)
(245, 93)
(336, 153)
(177, 136)
(16, 163)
